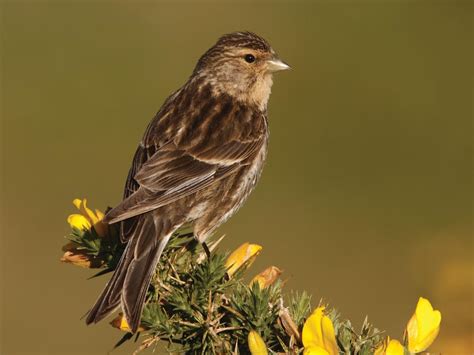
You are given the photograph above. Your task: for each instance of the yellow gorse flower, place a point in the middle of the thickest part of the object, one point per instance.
(256, 344)
(87, 219)
(121, 323)
(394, 348)
(311, 350)
(423, 327)
(318, 334)
(267, 277)
(78, 221)
(245, 254)
(390, 347)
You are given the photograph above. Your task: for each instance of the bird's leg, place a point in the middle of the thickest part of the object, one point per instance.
(206, 250)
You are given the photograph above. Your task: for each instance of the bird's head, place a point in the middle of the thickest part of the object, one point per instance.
(241, 64)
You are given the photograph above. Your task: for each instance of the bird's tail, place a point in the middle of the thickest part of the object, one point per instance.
(130, 281)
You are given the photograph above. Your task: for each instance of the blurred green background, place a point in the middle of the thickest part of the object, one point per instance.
(366, 198)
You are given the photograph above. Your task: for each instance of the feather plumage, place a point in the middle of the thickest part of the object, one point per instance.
(199, 159)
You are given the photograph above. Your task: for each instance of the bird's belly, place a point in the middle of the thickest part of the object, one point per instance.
(231, 192)
(214, 205)
(245, 187)
(246, 183)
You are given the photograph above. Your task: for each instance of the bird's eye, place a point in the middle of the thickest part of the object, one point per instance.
(249, 58)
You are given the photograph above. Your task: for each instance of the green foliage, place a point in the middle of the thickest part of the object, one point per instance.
(104, 252)
(352, 342)
(196, 308)
(299, 306)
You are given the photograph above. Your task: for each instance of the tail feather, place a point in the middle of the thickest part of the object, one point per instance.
(109, 299)
(130, 281)
(134, 205)
(127, 228)
(139, 275)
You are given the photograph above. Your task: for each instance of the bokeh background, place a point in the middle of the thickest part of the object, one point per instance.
(366, 198)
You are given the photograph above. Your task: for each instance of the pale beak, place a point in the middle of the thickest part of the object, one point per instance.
(276, 64)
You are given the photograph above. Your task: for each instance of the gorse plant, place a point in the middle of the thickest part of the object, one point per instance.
(199, 304)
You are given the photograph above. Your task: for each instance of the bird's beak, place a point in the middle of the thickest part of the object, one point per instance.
(276, 64)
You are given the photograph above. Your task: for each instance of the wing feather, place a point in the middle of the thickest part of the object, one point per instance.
(190, 160)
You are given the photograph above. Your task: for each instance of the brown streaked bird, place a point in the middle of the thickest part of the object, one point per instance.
(198, 161)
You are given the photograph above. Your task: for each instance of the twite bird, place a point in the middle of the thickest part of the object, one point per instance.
(198, 161)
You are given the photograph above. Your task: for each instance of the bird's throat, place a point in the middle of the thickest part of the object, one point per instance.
(261, 91)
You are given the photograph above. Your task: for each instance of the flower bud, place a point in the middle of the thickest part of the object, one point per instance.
(267, 277)
(256, 344)
(243, 255)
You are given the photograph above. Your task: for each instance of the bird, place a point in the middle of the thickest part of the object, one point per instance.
(199, 159)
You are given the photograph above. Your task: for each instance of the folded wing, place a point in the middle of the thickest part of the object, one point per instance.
(173, 173)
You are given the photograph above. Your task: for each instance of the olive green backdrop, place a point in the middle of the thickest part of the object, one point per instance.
(365, 200)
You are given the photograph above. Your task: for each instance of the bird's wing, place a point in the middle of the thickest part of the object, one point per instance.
(173, 172)
(195, 139)
(173, 169)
